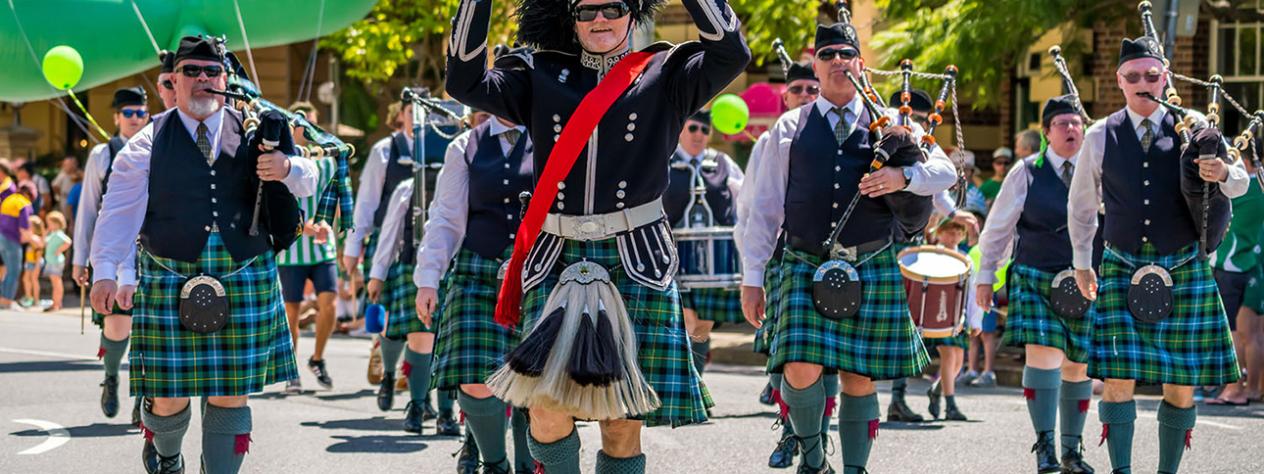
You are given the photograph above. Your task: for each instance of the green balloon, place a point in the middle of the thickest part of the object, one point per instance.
(63, 67)
(976, 255)
(729, 114)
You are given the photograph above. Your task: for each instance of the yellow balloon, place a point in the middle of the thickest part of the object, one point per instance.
(976, 255)
(63, 67)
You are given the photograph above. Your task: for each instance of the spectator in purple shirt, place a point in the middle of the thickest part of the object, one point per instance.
(15, 213)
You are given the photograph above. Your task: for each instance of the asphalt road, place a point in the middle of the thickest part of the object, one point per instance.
(50, 422)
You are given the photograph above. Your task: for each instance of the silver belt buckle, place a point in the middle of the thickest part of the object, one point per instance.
(590, 227)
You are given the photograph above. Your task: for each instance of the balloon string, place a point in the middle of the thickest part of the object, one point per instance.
(86, 114)
(35, 57)
(143, 23)
(254, 72)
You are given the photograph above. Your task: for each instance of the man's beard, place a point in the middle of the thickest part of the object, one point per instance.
(203, 106)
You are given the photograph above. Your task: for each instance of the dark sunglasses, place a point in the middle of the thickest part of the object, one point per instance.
(830, 54)
(194, 71)
(168, 85)
(1135, 77)
(813, 90)
(138, 113)
(695, 128)
(611, 11)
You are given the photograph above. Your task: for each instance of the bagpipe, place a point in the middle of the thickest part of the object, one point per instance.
(268, 127)
(427, 111)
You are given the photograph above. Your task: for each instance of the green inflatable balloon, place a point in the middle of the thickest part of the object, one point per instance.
(63, 67)
(729, 114)
(976, 255)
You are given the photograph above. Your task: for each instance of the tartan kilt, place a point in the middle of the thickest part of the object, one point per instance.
(99, 319)
(252, 351)
(880, 342)
(720, 305)
(663, 353)
(772, 281)
(1031, 320)
(1190, 347)
(961, 340)
(470, 345)
(399, 297)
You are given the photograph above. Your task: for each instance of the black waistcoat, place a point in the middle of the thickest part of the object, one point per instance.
(1042, 239)
(715, 177)
(396, 173)
(1142, 190)
(495, 181)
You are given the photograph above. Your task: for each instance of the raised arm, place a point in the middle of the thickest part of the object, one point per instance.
(502, 91)
(722, 56)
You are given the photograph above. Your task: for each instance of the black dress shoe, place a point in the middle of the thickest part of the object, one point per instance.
(136, 410)
(765, 397)
(109, 396)
(160, 464)
(386, 392)
(149, 456)
(448, 426)
(824, 469)
(427, 409)
(495, 468)
(783, 456)
(412, 418)
(898, 410)
(467, 457)
(1046, 457)
(952, 413)
(1073, 462)
(934, 395)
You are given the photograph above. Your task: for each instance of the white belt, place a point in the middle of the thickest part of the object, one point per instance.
(603, 226)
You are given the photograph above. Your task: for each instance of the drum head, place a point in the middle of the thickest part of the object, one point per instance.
(836, 290)
(933, 264)
(1065, 298)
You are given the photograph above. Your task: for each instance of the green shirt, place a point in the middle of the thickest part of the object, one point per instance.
(52, 246)
(1240, 250)
(305, 250)
(990, 189)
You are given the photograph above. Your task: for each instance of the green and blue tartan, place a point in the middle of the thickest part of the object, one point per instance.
(961, 339)
(99, 319)
(720, 305)
(470, 345)
(663, 346)
(772, 281)
(252, 351)
(399, 297)
(1190, 347)
(337, 197)
(1031, 320)
(879, 342)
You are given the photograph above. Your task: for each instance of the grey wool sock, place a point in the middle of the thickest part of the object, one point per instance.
(807, 408)
(112, 354)
(1118, 419)
(609, 465)
(857, 427)
(700, 351)
(391, 350)
(485, 418)
(225, 438)
(558, 457)
(1040, 388)
(418, 374)
(166, 432)
(1072, 413)
(522, 453)
(1175, 426)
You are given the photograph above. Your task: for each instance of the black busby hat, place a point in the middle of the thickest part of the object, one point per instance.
(550, 24)
(799, 71)
(837, 34)
(168, 60)
(128, 96)
(1143, 47)
(1063, 104)
(919, 101)
(702, 116)
(197, 47)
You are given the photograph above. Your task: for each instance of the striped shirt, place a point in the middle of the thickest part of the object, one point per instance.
(305, 250)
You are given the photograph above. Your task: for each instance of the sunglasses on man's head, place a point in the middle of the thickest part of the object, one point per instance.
(830, 54)
(813, 90)
(138, 113)
(611, 11)
(195, 71)
(1135, 77)
(695, 128)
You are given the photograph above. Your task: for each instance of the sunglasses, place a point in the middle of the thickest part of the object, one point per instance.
(1135, 77)
(611, 11)
(168, 85)
(138, 113)
(843, 53)
(695, 128)
(195, 71)
(812, 90)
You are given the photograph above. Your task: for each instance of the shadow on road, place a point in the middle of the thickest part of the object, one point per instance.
(95, 430)
(49, 366)
(377, 423)
(377, 444)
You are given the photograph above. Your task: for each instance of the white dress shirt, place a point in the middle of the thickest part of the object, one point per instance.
(995, 243)
(747, 194)
(1086, 186)
(123, 209)
(86, 216)
(767, 208)
(369, 196)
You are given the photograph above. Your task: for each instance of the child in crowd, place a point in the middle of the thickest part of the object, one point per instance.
(56, 243)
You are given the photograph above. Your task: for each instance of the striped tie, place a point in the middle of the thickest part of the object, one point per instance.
(511, 137)
(204, 142)
(1148, 137)
(1068, 170)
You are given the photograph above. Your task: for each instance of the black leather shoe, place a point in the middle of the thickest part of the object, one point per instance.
(427, 409)
(159, 464)
(1046, 456)
(783, 456)
(448, 426)
(898, 410)
(952, 413)
(138, 401)
(467, 457)
(412, 418)
(494, 468)
(933, 394)
(109, 396)
(386, 392)
(765, 397)
(824, 469)
(1073, 462)
(149, 456)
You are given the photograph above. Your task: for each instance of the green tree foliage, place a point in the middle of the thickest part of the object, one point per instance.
(794, 21)
(984, 38)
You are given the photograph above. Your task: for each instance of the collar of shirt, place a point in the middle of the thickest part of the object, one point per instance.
(1056, 160)
(824, 106)
(213, 125)
(1156, 118)
(499, 128)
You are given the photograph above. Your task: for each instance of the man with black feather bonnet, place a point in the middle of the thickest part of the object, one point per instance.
(602, 217)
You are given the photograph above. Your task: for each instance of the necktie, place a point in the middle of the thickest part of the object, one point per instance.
(1068, 170)
(843, 128)
(511, 136)
(204, 142)
(1148, 137)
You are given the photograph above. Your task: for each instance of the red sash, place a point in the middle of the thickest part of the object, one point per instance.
(563, 157)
